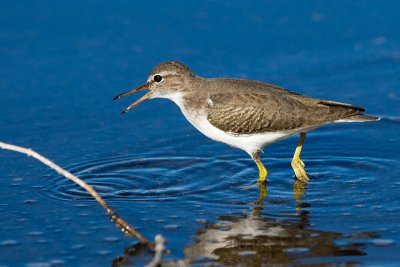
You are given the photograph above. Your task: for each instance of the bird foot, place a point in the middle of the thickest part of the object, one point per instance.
(261, 181)
(262, 187)
(247, 187)
(298, 168)
(302, 163)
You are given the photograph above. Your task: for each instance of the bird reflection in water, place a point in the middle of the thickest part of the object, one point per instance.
(256, 239)
(299, 188)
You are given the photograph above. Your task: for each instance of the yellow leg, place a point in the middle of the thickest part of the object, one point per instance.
(297, 164)
(262, 171)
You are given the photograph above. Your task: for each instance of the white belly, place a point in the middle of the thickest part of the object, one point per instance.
(250, 143)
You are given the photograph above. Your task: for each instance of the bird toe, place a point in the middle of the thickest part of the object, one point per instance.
(300, 171)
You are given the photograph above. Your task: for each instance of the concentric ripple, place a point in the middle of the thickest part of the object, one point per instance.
(138, 177)
(354, 171)
(204, 179)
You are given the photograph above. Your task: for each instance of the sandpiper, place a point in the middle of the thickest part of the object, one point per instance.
(242, 113)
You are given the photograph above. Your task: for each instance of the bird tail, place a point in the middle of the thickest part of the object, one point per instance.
(353, 118)
(359, 118)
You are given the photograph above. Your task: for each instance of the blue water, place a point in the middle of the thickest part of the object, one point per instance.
(61, 63)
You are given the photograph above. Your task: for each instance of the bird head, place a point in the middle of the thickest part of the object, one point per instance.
(166, 80)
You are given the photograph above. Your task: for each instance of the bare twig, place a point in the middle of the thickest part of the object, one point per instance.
(115, 218)
(158, 251)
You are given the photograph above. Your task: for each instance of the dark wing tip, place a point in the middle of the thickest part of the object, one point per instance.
(343, 105)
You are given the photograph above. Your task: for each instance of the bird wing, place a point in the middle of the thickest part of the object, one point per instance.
(272, 111)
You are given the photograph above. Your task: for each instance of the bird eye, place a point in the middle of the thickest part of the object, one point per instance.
(157, 78)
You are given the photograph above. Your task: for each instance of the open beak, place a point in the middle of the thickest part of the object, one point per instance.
(137, 102)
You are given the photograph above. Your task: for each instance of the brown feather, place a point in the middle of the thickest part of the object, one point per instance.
(250, 113)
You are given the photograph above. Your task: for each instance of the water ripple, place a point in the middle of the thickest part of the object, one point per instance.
(205, 179)
(138, 178)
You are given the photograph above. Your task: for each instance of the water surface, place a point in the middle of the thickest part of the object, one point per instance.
(62, 63)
